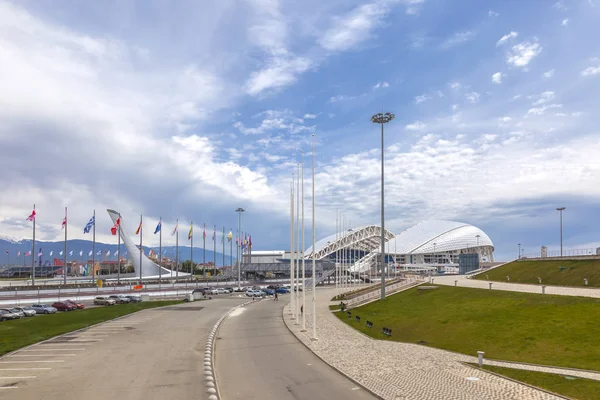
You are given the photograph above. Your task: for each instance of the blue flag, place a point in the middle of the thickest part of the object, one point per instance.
(89, 225)
(158, 227)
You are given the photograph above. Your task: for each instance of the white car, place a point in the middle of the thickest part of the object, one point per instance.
(104, 301)
(26, 311)
(254, 293)
(222, 291)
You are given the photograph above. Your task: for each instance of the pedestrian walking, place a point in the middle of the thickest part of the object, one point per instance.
(276, 298)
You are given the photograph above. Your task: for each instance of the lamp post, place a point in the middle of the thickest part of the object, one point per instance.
(240, 210)
(434, 253)
(382, 119)
(519, 251)
(560, 210)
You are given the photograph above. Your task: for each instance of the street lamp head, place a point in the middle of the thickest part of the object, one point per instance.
(382, 118)
(560, 208)
(240, 210)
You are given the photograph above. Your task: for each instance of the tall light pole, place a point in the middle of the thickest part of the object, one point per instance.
(240, 210)
(519, 251)
(314, 281)
(382, 119)
(560, 210)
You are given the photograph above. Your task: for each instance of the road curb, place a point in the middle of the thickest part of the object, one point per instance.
(210, 378)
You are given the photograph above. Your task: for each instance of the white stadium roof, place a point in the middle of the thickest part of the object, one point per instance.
(447, 236)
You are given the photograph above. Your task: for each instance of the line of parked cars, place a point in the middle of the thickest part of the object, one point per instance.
(270, 290)
(116, 299)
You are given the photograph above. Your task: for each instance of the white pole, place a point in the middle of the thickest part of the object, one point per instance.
(314, 286)
(291, 246)
(337, 231)
(298, 243)
(302, 255)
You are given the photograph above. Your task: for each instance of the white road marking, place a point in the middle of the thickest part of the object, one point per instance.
(42, 355)
(86, 340)
(33, 361)
(18, 377)
(9, 387)
(23, 369)
(54, 349)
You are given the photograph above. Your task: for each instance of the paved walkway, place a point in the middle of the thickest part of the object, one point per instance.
(463, 281)
(402, 371)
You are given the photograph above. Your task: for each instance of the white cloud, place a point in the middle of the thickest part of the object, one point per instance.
(472, 97)
(522, 53)
(497, 77)
(505, 119)
(341, 97)
(565, 22)
(548, 74)
(543, 98)
(492, 13)
(422, 98)
(281, 69)
(590, 71)
(354, 27)
(310, 116)
(415, 126)
(542, 110)
(507, 37)
(457, 39)
(455, 85)
(380, 85)
(275, 121)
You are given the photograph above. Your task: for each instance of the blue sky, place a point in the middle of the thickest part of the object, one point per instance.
(182, 110)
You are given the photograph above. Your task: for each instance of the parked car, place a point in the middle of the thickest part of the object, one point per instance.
(80, 306)
(27, 311)
(43, 309)
(239, 289)
(211, 291)
(120, 299)
(200, 291)
(104, 301)
(6, 314)
(269, 292)
(229, 289)
(222, 291)
(282, 290)
(254, 293)
(64, 306)
(134, 299)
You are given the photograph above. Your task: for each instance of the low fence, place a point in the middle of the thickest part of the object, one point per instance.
(376, 292)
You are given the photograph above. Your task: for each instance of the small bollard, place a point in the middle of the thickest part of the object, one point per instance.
(431, 280)
(543, 289)
(490, 285)
(508, 278)
(540, 280)
(455, 283)
(480, 357)
(585, 281)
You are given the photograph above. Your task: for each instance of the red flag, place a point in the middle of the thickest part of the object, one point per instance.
(116, 226)
(64, 223)
(31, 217)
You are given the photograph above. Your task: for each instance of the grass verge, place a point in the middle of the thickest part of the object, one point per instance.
(558, 273)
(23, 332)
(576, 388)
(534, 328)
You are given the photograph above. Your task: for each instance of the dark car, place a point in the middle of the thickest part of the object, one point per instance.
(282, 290)
(134, 299)
(199, 291)
(269, 292)
(64, 306)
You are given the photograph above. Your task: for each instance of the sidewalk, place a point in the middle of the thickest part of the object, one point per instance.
(402, 371)
(448, 280)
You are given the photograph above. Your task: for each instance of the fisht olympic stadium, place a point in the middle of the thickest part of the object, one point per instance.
(430, 242)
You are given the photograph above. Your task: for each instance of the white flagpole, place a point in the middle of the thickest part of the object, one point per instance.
(93, 248)
(33, 253)
(119, 251)
(298, 243)
(314, 286)
(192, 253)
(160, 253)
(141, 248)
(65, 261)
(292, 246)
(293, 257)
(302, 255)
(177, 251)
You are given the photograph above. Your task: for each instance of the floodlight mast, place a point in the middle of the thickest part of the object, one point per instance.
(382, 119)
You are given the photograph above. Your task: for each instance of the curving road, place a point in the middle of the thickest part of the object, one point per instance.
(153, 354)
(258, 358)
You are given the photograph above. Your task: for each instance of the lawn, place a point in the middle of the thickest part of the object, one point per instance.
(534, 328)
(23, 332)
(559, 273)
(576, 388)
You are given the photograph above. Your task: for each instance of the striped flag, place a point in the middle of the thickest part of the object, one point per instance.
(191, 233)
(137, 231)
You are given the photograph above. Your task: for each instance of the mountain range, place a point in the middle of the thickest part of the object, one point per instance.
(13, 246)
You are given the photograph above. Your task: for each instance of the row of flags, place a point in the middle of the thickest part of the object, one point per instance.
(245, 243)
(60, 253)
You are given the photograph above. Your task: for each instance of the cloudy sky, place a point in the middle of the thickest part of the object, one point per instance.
(191, 109)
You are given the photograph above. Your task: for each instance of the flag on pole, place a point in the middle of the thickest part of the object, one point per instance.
(107, 253)
(158, 227)
(229, 236)
(89, 225)
(7, 252)
(174, 230)
(204, 232)
(61, 253)
(64, 223)
(215, 234)
(90, 253)
(71, 253)
(137, 231)
(191, 233)
(99, 253)
(113, 230)
(51, 252)
(19, 253)
(250, 241)
(28, 253)
(80, 253)
(40, 253)
(31, 216)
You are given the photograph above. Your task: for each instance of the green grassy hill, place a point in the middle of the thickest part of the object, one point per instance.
(558, 273)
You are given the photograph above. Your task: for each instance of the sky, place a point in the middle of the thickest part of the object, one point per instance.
(188, 110)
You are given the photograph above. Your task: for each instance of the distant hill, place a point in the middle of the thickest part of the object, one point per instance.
(85, 246)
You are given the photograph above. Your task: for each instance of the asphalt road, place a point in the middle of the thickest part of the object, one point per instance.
(154, 354)
(258, 358)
